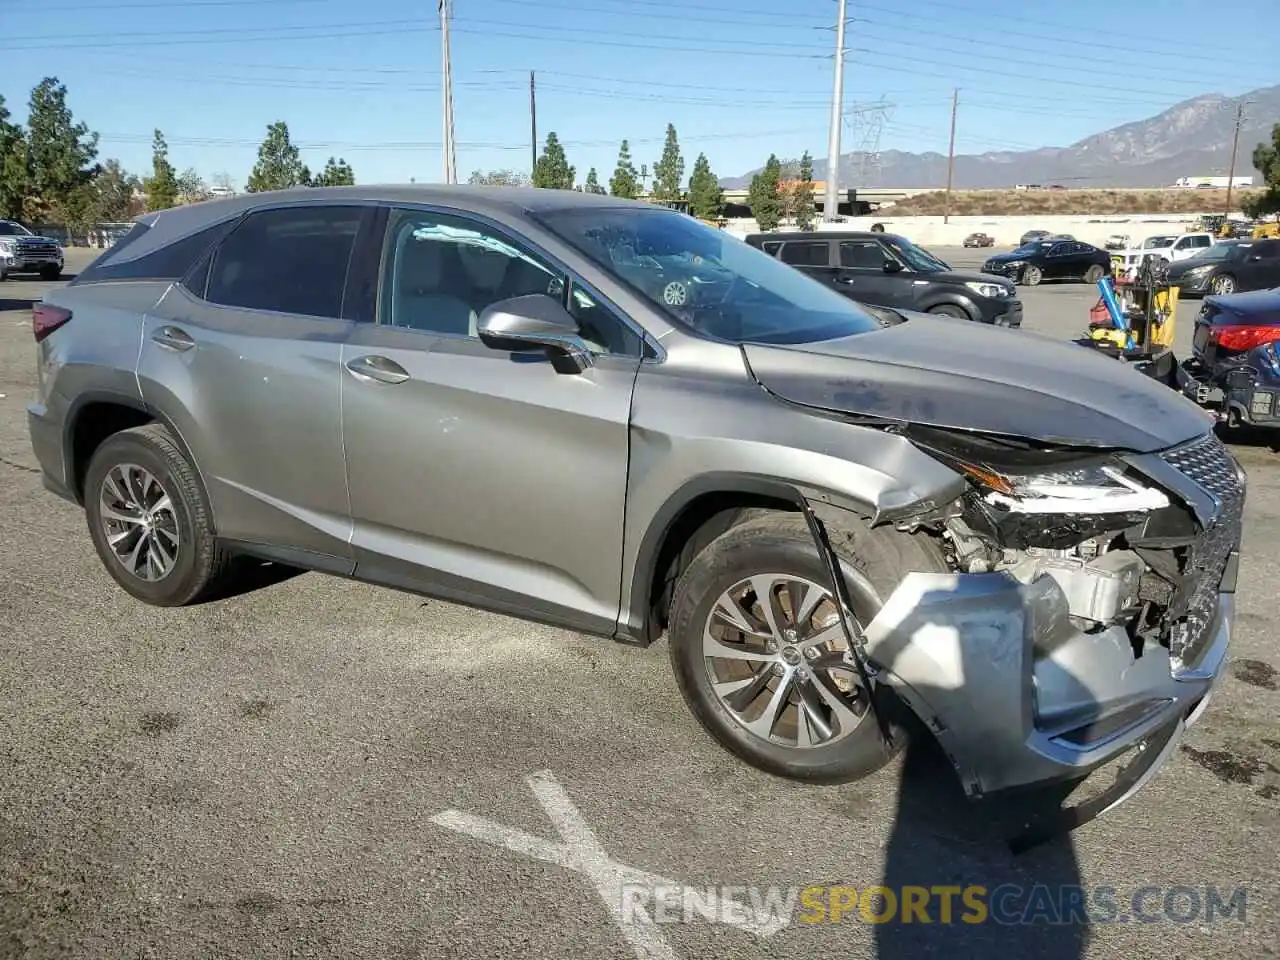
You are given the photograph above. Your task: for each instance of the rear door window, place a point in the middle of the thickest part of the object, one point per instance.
(289, 260)
(807, 253)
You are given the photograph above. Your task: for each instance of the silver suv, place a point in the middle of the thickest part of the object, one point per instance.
(476, 394)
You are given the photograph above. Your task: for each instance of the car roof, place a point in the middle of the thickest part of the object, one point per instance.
(175, 223)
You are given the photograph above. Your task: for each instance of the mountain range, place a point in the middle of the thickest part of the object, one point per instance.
(1190, 139)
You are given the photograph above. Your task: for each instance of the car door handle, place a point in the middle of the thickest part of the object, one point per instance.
(173, 338)
(377, 368)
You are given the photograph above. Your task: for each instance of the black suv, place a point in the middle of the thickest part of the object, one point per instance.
(890, 271)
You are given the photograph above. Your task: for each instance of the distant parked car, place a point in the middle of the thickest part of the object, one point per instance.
(1032, 235)
(979, 240)
(1117, 241)
(1231, 266)
(890, 271)
(21, 251)
(1051, 260)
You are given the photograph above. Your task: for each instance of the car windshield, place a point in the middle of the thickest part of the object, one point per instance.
(916, 258)
(9, 229)
(705, 279)
(1219, 251)
(1151, 243)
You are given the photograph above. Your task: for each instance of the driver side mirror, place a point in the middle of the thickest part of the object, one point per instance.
(892, 266)
(536, 322)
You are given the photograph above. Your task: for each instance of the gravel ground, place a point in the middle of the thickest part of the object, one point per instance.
(258, 777)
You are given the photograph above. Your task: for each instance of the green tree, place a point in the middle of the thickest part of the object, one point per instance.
(162, 186)
(625, 181)
(335, 174)
(498, 178)
(191, 186)
(668, 173)
(114, 194)
(61, 152)
(803, 208)
(763, 196)
(592, 184)
(552, 171)
(279, 167)
(1266, 159)
(15, 171)
(706, 198)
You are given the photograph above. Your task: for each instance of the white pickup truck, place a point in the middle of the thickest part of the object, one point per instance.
(1169, 246)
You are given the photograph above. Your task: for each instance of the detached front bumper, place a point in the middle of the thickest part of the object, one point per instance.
(1017, 695)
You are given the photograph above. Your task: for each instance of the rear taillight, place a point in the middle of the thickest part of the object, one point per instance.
(1243, 338)
(46, 318)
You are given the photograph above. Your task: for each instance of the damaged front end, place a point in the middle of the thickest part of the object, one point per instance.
(1088, 610)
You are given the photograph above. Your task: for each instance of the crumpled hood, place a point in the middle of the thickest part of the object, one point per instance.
(968, 376)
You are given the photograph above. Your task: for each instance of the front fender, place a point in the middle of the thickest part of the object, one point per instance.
(692, 436)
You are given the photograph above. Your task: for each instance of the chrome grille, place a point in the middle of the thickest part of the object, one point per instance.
(39, 248)
(1207, 463)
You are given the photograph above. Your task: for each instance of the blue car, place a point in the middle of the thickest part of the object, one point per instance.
(1235, 367)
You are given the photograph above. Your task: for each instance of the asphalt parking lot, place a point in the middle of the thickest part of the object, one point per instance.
(318, 768)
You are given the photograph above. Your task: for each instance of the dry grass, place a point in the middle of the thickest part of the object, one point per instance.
(984, 203)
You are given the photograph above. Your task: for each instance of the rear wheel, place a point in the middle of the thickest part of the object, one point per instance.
(150, 520)
(1094, 274)
(1223, 284)
(1031, 275)
(759, 653)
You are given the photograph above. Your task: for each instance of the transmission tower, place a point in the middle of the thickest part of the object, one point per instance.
(867, 121)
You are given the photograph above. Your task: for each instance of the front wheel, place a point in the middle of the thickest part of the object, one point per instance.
(949, 310)
(759, 654)
(675, 294)
(51, 272)
(1031, 275)
(1223, 284)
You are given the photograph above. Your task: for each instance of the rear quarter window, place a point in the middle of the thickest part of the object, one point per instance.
(170, 262)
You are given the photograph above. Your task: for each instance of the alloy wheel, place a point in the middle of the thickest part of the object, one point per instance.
(1223, 285)
(139, 521)
(675, 294)
(777, 660)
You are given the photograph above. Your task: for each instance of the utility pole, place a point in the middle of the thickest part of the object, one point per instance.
(1235, 149)
(951, 157)
(831, 201)
(450, 154)
(533, 125)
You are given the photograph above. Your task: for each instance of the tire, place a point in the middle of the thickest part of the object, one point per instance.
(950, 310)
(779, 544)
(184, 529)
(50, 273)
(1094, 274)
(1031, 275)
(1222, 285)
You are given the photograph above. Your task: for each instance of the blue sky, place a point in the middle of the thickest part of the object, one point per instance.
(738, 79)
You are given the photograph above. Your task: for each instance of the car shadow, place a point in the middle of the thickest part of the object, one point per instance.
(22, 303)
(1248, 436)
(941, 839)
(247, 575)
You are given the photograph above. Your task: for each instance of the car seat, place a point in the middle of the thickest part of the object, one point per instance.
(421, 299)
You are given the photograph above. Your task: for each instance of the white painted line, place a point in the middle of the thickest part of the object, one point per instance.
(582, 853)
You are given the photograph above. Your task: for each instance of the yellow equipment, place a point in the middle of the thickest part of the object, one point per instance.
(1265, 230)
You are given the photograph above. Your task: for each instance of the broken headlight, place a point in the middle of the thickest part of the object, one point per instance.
(1090, 488)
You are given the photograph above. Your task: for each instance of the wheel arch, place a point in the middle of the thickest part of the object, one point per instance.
(950, 298)
(690, 518)
(96, 415)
